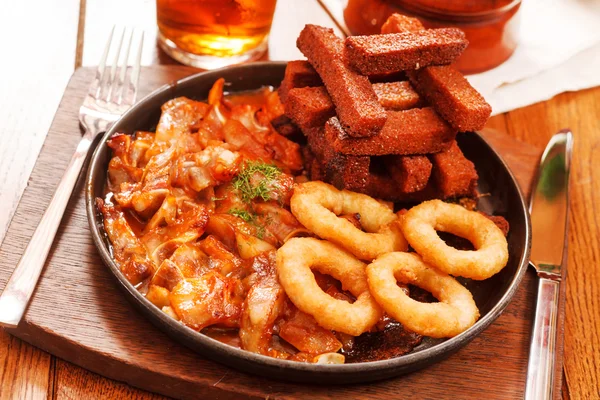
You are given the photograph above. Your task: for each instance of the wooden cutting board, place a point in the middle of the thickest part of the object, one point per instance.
(79, 314)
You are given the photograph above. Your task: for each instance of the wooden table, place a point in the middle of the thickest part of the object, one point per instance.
(71, 33)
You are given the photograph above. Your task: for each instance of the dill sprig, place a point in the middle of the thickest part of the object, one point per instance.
(256, 179)
(242, 214)
(250, 219)
(260, 231)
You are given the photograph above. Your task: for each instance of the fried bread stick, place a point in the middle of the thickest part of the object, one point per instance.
(500, 222)
(453, 174)
(385, 188)
(411, 173)
(392, 52)
(444, 87)
(298, 74)
(311, 106)
(342, 171)
(312, 165)
(316, 171)
(397, 95)
(448, 91)
(415, 131)
(355, 101)
(284, 126)
(398, 23)
(307, 157)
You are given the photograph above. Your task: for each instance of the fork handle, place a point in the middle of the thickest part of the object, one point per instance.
(18, 290)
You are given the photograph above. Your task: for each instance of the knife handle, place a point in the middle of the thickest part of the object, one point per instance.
(542, 353)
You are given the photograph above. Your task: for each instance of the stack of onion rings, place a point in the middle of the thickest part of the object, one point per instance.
(379, 285)
(298, 256)
(421, 222)
(317, 206)
(455, 313)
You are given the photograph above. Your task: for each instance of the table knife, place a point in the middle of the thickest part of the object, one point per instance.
(549, 206)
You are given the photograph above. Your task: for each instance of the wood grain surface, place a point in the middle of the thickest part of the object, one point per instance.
(535, 124)
(27, 372)
(79, 314)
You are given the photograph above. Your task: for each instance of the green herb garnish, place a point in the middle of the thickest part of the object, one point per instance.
(257, 179)
(242, 214)
(250, 219)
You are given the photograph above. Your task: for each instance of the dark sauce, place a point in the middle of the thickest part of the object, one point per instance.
(393, 341)
(456, 241)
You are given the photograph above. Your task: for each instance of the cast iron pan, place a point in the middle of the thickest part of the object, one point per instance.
(492, 295)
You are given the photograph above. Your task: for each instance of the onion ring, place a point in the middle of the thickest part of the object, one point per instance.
(317, 206)
(298, 256)
(419, 226)
(455, 312)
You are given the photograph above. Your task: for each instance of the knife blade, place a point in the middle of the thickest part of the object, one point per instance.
(549, 206)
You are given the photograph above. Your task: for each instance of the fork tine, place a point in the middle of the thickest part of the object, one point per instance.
(135, 73)
(95, 86)
(109, 87)
(118, 96)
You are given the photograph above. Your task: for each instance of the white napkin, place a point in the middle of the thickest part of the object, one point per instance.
(558, 51)
(290, 18)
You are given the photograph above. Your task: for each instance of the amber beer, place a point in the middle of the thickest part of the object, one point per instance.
(214, 33)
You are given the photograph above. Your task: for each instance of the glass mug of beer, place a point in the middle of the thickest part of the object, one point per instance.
(211, 34)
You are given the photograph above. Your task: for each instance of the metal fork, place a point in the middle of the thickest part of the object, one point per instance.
(109, 96)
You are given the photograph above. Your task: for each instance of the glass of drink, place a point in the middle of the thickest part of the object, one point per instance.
(211, 34)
